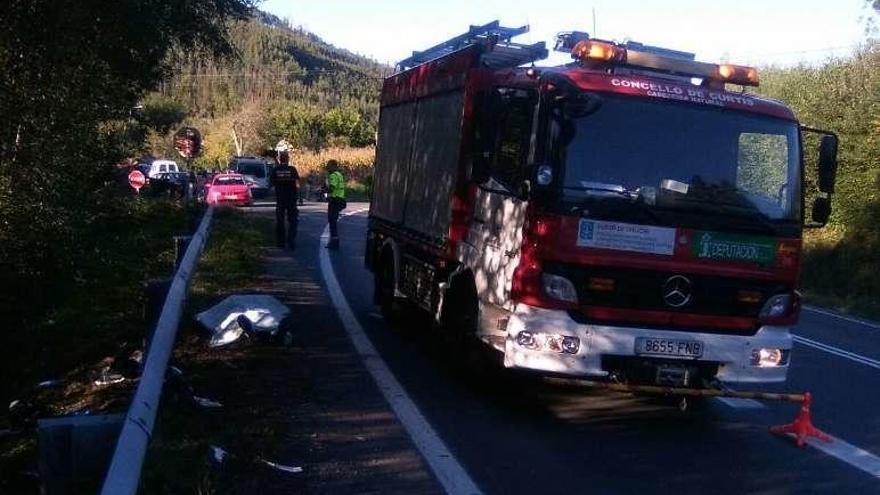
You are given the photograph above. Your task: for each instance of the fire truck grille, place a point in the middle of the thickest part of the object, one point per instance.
(709, 295)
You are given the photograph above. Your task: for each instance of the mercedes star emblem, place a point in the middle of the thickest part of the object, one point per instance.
(677, 291)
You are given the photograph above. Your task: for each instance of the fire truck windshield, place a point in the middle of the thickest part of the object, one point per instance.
(683, 165)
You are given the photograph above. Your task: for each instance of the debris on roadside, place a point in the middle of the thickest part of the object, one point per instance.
(244, 314)
(23, 414)
(125, 365)
(50, 383)
(108, 377)
(129, 364)
(281, 467)
(219, 456)
(205, 402)
(180, 389)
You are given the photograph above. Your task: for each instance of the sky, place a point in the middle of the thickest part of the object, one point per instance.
(752, 32)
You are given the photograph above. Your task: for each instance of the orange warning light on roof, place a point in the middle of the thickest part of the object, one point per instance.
(598, 51)
(738, 74)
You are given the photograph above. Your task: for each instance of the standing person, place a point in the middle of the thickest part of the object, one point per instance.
(285, 180)
(335, 200)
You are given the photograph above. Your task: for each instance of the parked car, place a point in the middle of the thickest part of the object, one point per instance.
(174, 184)
(162, 166)
(256, 172)
(228, 189)
(144, 168)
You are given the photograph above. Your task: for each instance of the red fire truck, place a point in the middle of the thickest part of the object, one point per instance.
(621, 216)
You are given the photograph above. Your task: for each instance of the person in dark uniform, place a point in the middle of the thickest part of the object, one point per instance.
(285, 180)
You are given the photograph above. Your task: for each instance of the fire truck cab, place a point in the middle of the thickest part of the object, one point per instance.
(621, 216)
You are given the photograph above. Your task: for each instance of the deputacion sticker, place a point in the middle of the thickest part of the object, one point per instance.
(734, 247)
(626, 237)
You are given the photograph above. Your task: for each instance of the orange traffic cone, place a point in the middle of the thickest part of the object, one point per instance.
(802, 426)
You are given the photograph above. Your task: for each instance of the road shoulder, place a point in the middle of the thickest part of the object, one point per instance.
(312, 404)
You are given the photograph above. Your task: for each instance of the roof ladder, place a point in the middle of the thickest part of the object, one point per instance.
(504, 52)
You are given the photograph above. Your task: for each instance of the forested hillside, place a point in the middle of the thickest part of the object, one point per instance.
(283, 83)
(842, 95)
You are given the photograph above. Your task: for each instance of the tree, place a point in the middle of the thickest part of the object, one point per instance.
(246, 126)
(72, 71)
(161, 114)
(299, 123)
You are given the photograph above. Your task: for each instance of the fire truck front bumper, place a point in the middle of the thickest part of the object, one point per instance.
(551, 341)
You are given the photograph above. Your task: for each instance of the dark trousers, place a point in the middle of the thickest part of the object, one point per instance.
(334, 206)
(286, 209)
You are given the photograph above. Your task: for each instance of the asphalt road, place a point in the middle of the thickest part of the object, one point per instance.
(515, 434)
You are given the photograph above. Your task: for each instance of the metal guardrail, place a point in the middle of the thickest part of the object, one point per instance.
(124, 474)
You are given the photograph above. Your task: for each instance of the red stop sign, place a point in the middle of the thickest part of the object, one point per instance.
(136, 180)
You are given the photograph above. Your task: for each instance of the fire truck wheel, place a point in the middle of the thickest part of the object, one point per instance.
(390, 307)
(460, 323)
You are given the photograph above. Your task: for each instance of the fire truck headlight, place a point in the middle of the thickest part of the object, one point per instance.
(769, 358)
(545, 175)
(570, 345)
(559, 288)
(537, 341)
(527, 339)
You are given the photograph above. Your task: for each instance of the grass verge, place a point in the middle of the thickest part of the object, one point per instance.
(177, 460)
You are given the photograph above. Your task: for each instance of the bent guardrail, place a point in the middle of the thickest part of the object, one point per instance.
(124, 474)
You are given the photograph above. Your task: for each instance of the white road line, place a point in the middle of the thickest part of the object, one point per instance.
(850, 319)
(858, 358)
(850, 454)
(837, 448)
(446, 468)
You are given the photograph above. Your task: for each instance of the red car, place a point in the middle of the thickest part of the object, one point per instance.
(228, 189)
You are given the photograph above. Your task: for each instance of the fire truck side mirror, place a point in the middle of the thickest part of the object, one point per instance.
(821, 211)
(827, 163)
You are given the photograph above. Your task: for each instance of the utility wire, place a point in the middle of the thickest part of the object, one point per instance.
(797, 52)
(282, 74)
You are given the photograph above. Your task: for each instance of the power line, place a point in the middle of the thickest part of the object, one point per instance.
(799, 52)
(260, 74)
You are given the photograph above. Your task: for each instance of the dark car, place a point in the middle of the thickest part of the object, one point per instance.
(256, 172)
(172, 184)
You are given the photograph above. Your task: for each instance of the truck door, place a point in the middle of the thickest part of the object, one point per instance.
(496, 230)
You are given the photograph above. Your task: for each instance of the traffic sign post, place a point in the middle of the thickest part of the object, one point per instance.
(188, 142)
(136, 179)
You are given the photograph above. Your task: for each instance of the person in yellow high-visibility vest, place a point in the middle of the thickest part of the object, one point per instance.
(335, 200)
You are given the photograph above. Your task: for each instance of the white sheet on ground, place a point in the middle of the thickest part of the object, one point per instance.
(264, 312)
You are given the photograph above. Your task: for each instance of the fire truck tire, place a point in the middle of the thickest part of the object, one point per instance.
(460, 320)
(384, 287)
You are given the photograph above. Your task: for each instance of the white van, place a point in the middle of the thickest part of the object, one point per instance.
(162, 166)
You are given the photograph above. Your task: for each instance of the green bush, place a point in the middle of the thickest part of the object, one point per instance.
(843, 95)
(72, 72)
